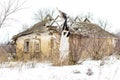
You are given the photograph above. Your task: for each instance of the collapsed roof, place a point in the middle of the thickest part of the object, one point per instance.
(85, 28)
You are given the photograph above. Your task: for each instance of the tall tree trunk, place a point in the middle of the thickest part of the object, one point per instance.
(64, 46)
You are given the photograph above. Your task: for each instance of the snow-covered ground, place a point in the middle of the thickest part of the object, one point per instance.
(87, 70)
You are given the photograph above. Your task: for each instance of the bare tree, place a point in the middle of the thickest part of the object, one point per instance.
(42, 14)
(77, 47)
(25, 27)
(103, 24)
(87, 15)
(8, 8)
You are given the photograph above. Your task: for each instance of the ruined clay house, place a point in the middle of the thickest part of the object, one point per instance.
(86, 40)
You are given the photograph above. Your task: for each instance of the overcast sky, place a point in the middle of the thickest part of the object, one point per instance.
(101, 9)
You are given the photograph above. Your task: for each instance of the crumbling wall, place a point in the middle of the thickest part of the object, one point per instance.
(48, 44)
(86, 47)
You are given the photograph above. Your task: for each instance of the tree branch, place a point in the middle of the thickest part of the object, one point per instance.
(9, 8)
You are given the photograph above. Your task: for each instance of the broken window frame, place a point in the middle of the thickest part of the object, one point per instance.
(37, 45)
(26, 45)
